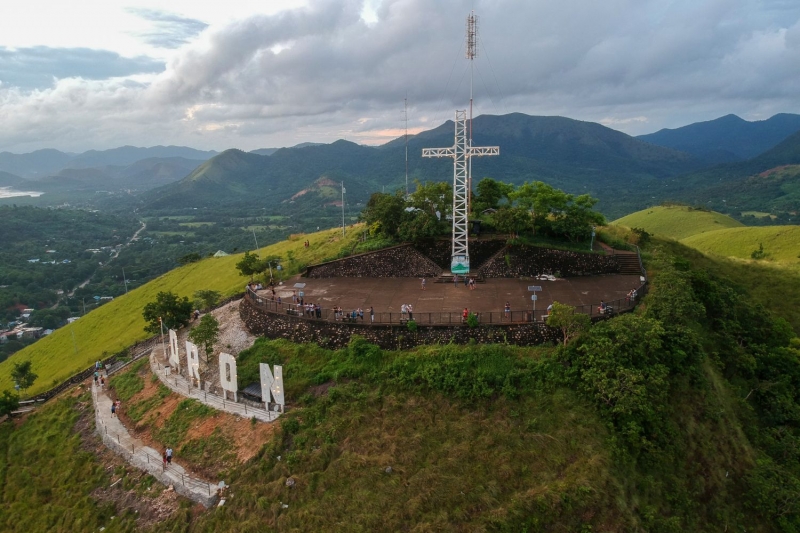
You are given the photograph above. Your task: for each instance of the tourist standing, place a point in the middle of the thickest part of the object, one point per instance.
(423, 284)
(507, 310)
(372, 314)
(164, 459)
(169, 456)
(465, 315)
(113, 410)
(455, 280)
(410, 312)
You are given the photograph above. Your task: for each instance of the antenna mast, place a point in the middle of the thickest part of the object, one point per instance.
(405, 112)
(472, 51)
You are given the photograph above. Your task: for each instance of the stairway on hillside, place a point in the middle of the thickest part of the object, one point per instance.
(628, 262)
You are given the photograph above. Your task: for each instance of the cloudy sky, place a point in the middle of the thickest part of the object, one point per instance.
(249, 74)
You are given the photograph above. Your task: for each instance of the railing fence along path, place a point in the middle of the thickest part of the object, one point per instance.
(116, 437)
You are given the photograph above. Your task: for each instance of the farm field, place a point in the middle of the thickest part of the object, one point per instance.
(119, 323)
(677, 222)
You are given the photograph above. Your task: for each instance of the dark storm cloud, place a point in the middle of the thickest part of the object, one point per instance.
(38, 67)
(169, 30)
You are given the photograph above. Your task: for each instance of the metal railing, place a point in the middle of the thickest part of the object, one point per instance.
(433, 319)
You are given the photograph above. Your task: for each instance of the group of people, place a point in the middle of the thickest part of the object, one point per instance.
(631, 296)
(354, 315)
(406, 312)
(468, 282)
(312, 310)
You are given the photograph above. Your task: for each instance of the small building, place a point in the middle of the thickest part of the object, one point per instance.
(220, 253)
(33, 260)
(72, 319)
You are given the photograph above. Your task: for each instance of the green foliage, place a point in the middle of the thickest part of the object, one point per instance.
(511, 220)
(193, 257)
(249, 265)
(127, 384)
(555, 212)
(9, 402)
(206, 299)
(136, 411)
(168, 308)
(386, 212)
(758, 254)
(205, 334)
(411, 325)
(564, 317)
(23, 374)
(677, 222)
(175, 427)
(49, 478)
(472, 320)
(490, 194)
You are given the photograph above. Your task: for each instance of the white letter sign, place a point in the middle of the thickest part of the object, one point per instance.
(193, 361)
(227, 374)
(271, 384)
(174, 361)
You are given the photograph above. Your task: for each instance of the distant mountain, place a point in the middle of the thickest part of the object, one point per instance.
(727, 139)
(768, 183)
(140, 176)
(9, 180)
(573, 155)
(270, 151)
(127, 155)
(34, 164)
(49, 162)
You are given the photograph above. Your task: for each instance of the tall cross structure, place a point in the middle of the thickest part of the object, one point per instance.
(462, 153)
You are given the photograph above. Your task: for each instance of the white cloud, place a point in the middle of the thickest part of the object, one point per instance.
(312, 72)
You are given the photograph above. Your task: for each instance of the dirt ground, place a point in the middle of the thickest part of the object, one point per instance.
(245, 439)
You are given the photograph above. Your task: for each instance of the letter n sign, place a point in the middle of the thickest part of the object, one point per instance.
(272, 385)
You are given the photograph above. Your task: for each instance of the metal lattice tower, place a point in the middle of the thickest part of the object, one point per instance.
(462, 154)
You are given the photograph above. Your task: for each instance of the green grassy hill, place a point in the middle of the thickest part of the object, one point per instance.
(780, 243)
(119, 324)
(677, 222)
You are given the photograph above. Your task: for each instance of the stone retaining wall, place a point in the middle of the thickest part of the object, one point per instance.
(530, 261)
(335, 335)
(397, 262)
(441, 251)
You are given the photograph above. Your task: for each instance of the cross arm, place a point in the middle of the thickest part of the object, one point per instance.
(478, 151)
(439, 152)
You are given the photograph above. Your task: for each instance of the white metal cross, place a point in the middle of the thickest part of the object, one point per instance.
(461, 152)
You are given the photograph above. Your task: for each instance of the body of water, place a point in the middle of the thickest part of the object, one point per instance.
(8, 192)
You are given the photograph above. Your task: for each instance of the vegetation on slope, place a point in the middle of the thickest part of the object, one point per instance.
(52, 481)
(780, 244)
(118, 324)
(677, 222)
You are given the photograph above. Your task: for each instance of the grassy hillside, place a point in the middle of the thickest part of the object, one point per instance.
(781, 244)
(677, 222)
(119, 323)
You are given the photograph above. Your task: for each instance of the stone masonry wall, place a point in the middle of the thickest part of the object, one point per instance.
(396, 262)
(335, 335)
(530, 261)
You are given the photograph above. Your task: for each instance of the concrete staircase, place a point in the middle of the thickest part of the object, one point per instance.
(628, 262)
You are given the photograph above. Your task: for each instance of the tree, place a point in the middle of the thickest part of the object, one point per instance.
(189, 258)
(249, 265)
(169, 308)
(490, 193)
(9, 403)
(576, 220)
(23, 375)
(433, 197)
(541, 200)
(206, 299)
(511, 219)
(565, 318)
(205, 334)
(386, 212)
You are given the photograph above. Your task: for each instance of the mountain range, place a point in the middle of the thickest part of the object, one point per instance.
(624, 172)
(727, 139)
